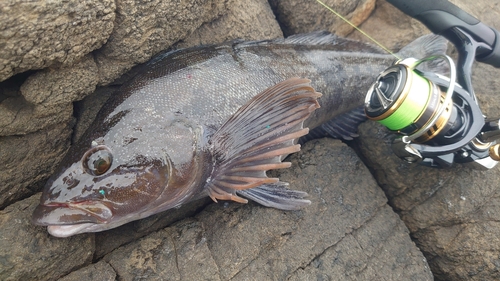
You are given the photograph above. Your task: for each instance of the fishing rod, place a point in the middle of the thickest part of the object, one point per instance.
(437, 119)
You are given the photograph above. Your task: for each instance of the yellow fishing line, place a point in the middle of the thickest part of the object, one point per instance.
(358, 29)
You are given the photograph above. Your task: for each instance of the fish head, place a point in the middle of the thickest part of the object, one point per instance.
(124, 174)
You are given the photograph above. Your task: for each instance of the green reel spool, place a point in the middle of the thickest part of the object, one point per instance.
(405, 102)
(412, 106)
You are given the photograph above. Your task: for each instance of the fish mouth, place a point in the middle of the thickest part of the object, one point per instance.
(67, 215)
(63, 231)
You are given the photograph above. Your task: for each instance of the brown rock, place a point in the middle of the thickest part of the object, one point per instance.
(237, 23)
(296, 16)
(35, 120)
(26, 161)
(391, 27)
(29, 253)
(143, 29)
(179, 252)
(46, 98)
(369, 253)
(109, 240)
(38, 34)
(100, 271)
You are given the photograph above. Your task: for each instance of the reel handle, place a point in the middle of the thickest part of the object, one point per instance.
(444, 18)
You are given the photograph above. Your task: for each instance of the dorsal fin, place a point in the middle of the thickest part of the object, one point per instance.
(257, 137)
(321, 37)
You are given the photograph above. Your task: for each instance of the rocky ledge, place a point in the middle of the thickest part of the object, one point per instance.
(373, 217)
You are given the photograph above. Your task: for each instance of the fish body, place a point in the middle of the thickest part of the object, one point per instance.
(210, 121)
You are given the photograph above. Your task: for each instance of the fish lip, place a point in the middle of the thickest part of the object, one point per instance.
(62, 213)
(63, 231)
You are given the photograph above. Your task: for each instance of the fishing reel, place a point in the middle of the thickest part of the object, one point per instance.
(438, 119)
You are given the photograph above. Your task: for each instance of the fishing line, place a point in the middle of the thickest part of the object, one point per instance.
(358, 29)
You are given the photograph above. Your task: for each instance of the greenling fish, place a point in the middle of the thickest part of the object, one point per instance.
(210, 121)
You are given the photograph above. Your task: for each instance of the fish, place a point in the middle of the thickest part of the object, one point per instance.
(211, 121)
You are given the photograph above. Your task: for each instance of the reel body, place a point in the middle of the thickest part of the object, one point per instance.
(437, 120)
(457, 131)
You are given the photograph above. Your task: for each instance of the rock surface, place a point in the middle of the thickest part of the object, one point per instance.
(237, 22)
(100, 271)
(298, 16)
(28, 252)
(348, 233)
(146, 28)
(27, 161)
(37, 34)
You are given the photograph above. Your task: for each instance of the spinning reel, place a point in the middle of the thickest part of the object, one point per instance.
(438, 118)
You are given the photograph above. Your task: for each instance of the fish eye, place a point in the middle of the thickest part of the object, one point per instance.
(97, 160)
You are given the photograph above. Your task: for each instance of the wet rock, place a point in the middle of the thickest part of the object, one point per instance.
(304, 16)
(348, 232)
(38, 34)
(100, 271)
(28, 252)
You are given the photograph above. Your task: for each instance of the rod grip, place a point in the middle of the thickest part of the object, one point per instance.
(441, 16)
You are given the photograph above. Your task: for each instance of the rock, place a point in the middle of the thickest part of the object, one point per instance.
(109, 240)
(390, 26)
(27, 161)
(45, 98)
(179, 252)
(28, 252)
(348, 232)
(100, 271)
(38, 34)
(304, 16)
(86, 110)
(370, 253)
(237, 23)
(146, 28)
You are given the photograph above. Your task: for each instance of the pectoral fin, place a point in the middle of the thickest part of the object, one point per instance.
(257, 137)
(343, 126)
(277, 195)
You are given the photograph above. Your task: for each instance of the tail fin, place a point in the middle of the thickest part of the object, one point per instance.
(425, 46)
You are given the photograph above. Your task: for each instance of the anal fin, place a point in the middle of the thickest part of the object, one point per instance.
(257, 137)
